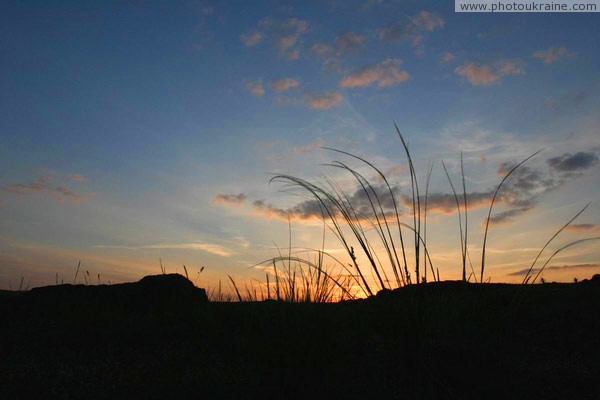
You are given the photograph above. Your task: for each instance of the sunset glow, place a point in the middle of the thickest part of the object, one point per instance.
(132, 133)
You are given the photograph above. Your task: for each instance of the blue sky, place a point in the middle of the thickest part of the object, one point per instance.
(133, 131)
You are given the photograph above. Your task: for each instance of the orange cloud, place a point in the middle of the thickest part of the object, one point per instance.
(584, 227)
(230, 199)
(283, 84)
(486, 74)
(256, 87)
(385, 73)
(324, 100)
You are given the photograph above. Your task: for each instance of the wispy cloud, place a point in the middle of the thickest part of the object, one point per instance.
(524, 272)
(202, 246)
(285, 34)
(487, 74)
(348, 42)
(283, 84)
(552, 54)
(584, 227)
(317, 144)
(344, 43)
(447, 56)
(413, 29)
(520, 195)
(78, 178)
(385, 73)
(251, 38)
(230, 199)
(43, 184)
(567, 101)
(255, 87)
(324, 100)
(207, 10)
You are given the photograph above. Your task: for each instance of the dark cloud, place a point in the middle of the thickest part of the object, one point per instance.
(577, 162)
(584, 227)
(445, 203)
(43, 185)
(509, 215)
(233, 199)
(312, 208)
(523, 272)
(306, 210)
(519, 195)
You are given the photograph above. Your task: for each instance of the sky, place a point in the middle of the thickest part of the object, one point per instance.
(138, 131)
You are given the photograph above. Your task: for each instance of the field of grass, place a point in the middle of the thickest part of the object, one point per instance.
(317, 326)
(436, 340)
(313, 275)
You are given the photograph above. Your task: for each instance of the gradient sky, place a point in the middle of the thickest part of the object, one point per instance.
(133, 131)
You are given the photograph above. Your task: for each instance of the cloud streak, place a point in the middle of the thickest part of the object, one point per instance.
(43, 185)
(584, 228)
(566, 267)
(202, 246)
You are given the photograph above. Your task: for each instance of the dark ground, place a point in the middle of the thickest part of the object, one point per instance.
(161, 339)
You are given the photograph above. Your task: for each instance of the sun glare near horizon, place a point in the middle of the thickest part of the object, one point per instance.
(256, 143)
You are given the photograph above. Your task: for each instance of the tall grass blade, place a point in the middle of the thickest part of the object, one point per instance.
(76, 272)
(550, 240)
(462, 240)
(487, 223)
(237, 292)
(415, 201)
(561, 249)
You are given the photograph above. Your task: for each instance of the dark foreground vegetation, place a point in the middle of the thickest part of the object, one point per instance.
(161, 338)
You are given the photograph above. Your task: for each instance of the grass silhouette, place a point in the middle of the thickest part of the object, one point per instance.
(348, 223)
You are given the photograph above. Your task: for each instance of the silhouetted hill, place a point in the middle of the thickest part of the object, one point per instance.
(159, 338)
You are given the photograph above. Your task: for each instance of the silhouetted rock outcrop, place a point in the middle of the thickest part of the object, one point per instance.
(168, 292)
